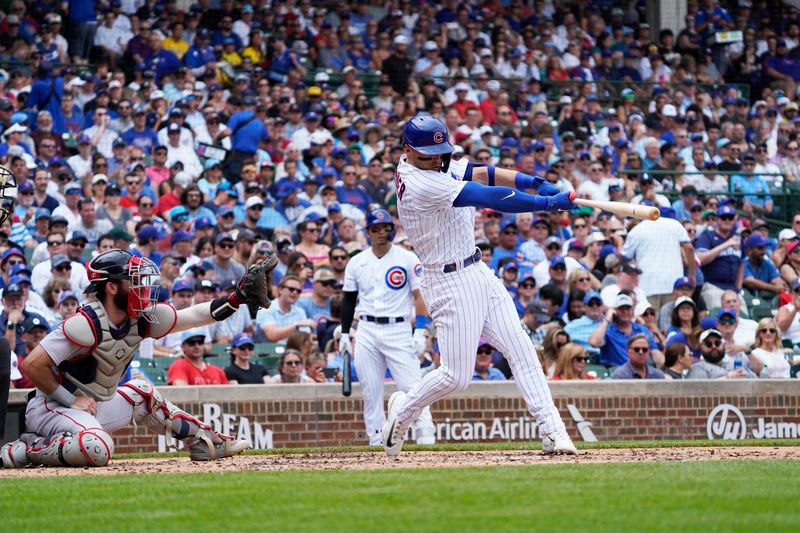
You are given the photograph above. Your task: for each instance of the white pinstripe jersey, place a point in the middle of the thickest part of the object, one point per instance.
(439, 232)
(384, 284)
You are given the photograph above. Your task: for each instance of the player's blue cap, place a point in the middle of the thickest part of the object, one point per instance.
(684, 281)
(181, 236)
(203, 222)
(556, 261)
(182, 285)
(592, 295)
(242, 339)
(193, 333)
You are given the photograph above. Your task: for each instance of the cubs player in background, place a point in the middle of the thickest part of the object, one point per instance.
(384, 280)
(436, 201)
(76, 368)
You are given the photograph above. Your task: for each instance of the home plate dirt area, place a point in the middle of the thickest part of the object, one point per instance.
(417, 459)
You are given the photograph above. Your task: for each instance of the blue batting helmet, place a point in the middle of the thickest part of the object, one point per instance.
(427, 135)
(381, 216)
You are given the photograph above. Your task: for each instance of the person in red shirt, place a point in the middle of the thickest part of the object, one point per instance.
(462, 103)
(191, 369)
(173, 198)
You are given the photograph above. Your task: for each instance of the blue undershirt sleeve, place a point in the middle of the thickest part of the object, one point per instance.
(507, 200)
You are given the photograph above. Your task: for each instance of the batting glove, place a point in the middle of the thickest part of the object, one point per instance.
(345, 346)
(545, 189)
(561, 202)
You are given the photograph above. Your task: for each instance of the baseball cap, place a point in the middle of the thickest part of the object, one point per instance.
(252, 201)
(726, 311)
(576, 245)
(787, 234)
(206, 284)
(628, 268)
(192, 333)
(684, 300)
(684, 281)
(242, 339)
(181, 236)
(33, 321)
(725, 209)
(511, 265)
(324, 274)
(99, 178)
(147, 232)
(592, 295)
(203, 222)
(178, 211)
(182, 285)
(622, 300)
(20, 269)
(539, 310)
(755, 241)
(223, 237)
(707, 333)
(556, 261)
(73, 236)
(121, 234)
(183, 179)
(677, 337)
(42, 212)
(60, 259)
(12, 289)
(595, 236)
(224, 210)
(552, 240)
(67, 295)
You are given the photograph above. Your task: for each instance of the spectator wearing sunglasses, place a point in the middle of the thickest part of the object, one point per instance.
(571, 363)
(317, 305)
(191, 369)
(484, 370)
(284, 316)
(227, 270)
(241, 371)
(637, 367)
(710, 366)
(768, 360)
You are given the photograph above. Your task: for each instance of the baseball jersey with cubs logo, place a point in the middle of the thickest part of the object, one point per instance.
(384, 284)
(440, 232)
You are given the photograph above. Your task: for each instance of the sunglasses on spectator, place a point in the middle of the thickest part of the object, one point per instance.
(54, 243)
(193, 342)
(64, 268)
(727, 321)
(527, 285)
(727, 217)
(559, 267)
(293, 362)
(146, 204)
(247, 347)
(225, 245)
(312, 230)
(583, 279)
(649, 312)
(77, 244)
(713, 344)
(338, 257)
(293, 290)
(484, 351)
(330, 283)
(580, 359)
(769, 330)
(640, 349)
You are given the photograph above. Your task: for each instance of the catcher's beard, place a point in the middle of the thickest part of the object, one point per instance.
(121, 300)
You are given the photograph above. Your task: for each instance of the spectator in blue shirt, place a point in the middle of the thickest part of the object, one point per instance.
(718, 249)
(757, 200)
(581, 329)
(484, 371)
(759, 272)
(140, 135)
(508, 244)
(683, 205)
(613, 333)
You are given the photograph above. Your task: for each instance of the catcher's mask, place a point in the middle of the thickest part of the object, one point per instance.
(8, 193)
(142, 273)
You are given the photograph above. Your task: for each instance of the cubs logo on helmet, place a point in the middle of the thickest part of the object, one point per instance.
(396, 278)
(380, 216)
(427, 135)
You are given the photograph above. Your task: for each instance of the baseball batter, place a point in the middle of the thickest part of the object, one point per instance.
(77, 367)
(436, 200)
(384, 279)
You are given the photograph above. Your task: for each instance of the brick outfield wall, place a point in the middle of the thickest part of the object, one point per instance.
(317, 415)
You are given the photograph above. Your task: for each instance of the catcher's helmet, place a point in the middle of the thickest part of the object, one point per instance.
(120, 265)
(427, 135)
(381, 216)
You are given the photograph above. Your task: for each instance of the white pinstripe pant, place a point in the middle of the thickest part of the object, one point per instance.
(466, 305)
(378, 346)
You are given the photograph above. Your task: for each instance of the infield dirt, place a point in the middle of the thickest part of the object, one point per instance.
(423, 459)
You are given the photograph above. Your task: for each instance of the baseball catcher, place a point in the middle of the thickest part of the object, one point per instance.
(77, 367)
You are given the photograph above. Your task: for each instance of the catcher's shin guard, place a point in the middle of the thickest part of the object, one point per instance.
(14, 454)
(203, 442)
(90, 447)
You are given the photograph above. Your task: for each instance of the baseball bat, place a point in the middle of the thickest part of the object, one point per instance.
(347, 385)
(621, 208)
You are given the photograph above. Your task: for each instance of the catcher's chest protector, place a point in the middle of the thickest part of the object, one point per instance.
(98, 372)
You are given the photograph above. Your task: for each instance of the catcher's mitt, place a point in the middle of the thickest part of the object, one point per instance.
(255, 286)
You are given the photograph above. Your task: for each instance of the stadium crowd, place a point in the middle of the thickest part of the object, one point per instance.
(208, 135)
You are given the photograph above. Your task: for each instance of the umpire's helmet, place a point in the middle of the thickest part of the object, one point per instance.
(427, 135)
(381, 216)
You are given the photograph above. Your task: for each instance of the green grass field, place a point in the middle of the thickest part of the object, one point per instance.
(668, 496)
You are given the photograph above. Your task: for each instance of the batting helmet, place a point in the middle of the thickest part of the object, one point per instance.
(427, 135)
(381, 216)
